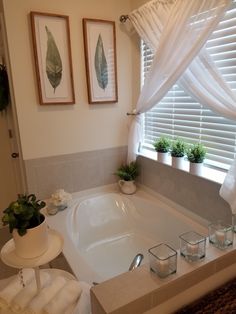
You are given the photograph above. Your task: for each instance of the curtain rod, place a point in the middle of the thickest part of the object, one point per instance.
(124, 18)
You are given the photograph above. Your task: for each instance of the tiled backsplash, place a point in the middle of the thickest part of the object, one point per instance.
(74, 172)
(197, 194)
(86, 170)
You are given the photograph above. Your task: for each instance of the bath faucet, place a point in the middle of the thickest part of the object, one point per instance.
(136, 261)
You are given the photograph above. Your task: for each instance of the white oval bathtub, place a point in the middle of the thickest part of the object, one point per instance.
(104, 232)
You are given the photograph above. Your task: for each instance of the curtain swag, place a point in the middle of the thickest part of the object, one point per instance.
(177, 31)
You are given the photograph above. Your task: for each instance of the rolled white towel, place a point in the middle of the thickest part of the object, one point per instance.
(83, 306)
(68, 295)
(15, 286)
(23, 298)
(45, 295)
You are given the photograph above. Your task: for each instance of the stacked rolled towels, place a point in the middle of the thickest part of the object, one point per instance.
(58, 294)
(15, 286)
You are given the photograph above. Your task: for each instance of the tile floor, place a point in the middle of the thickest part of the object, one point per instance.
(6, 271)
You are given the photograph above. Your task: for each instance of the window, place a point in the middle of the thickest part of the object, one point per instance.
(179, 115)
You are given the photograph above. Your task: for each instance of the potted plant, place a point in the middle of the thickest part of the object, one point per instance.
(162, 147)
(196, 155)
(178, 150)
(27, 225)
(127, 174)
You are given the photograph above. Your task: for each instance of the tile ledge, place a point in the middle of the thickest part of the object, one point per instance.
(113, 298)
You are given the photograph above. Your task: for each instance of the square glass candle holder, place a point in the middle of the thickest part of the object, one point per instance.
(192, 246)
(220, 235)
(163, 260)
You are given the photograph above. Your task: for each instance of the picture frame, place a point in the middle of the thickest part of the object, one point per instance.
(52, 55)
(100, 60)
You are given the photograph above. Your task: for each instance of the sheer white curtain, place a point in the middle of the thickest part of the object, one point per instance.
(176, 30)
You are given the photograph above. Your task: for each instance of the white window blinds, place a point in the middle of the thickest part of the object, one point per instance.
(179, 115)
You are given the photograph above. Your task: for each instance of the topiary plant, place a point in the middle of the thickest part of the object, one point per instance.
(23, 214)
(178, 148)
(128, 172)
(162, 145)
(196, 153)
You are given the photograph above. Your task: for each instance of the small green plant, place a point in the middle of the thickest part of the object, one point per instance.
(178, 148)
(162, 144)
(128, 172)
(196, 153)
(23, 214)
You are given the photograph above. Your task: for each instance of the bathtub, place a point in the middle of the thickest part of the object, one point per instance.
(103, 231)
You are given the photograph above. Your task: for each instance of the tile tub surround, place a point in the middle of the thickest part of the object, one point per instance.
(141, 291)
(73, 172)
(199, 195)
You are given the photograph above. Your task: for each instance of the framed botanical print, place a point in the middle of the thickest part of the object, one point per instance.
(52, 52)
(100, 60)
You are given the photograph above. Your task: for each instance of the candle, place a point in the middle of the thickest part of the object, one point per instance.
(163, 266)
(192, 249)
(220, 237)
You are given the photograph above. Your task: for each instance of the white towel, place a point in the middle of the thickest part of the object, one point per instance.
(15, 286)
(228, 188)
(45, 295)
(68, 295)
(84, 305)
(23, 298)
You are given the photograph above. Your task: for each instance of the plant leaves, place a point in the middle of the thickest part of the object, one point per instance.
(100, 63)
(53, 61)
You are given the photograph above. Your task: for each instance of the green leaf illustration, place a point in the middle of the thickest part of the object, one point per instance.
(101, 64)
(53, 61)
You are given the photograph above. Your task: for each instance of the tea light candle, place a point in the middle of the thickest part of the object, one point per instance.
(220, 237)
(163, 266)
(192, 249)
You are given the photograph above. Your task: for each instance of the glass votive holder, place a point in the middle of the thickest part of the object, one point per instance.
(192, 246)
(220, 235)
(163, 260)
(234, 222)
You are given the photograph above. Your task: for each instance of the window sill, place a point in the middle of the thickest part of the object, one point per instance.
(208, 173)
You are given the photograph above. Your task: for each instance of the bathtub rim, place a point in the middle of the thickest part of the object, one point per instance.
(69, 246)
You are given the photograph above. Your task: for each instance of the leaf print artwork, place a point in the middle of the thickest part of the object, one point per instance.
(101, 64)
(53, 61)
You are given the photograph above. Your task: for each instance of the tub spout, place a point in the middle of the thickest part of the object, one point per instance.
(136, 261)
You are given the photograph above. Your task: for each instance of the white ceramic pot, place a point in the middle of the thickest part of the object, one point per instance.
(178, 162)
(162, 157)
(127, 187)
(34, 243)
(196, 168)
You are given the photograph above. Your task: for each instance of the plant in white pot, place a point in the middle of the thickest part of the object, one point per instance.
(27, 225)
(127, 174)
(196, 155)
(177, 151)
(162, 147)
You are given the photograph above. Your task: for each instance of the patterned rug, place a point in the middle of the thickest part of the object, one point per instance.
(219, 301)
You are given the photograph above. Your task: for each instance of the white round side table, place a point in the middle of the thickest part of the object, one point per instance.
(9, 257)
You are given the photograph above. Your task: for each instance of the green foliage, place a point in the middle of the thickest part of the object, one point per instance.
(162, 144)
(101, 64)
(53, 61)
(24, 213)
(128, 172)
(4, 88)
(178, 148)
(196, 153)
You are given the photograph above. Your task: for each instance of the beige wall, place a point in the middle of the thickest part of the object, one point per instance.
(56, 130)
